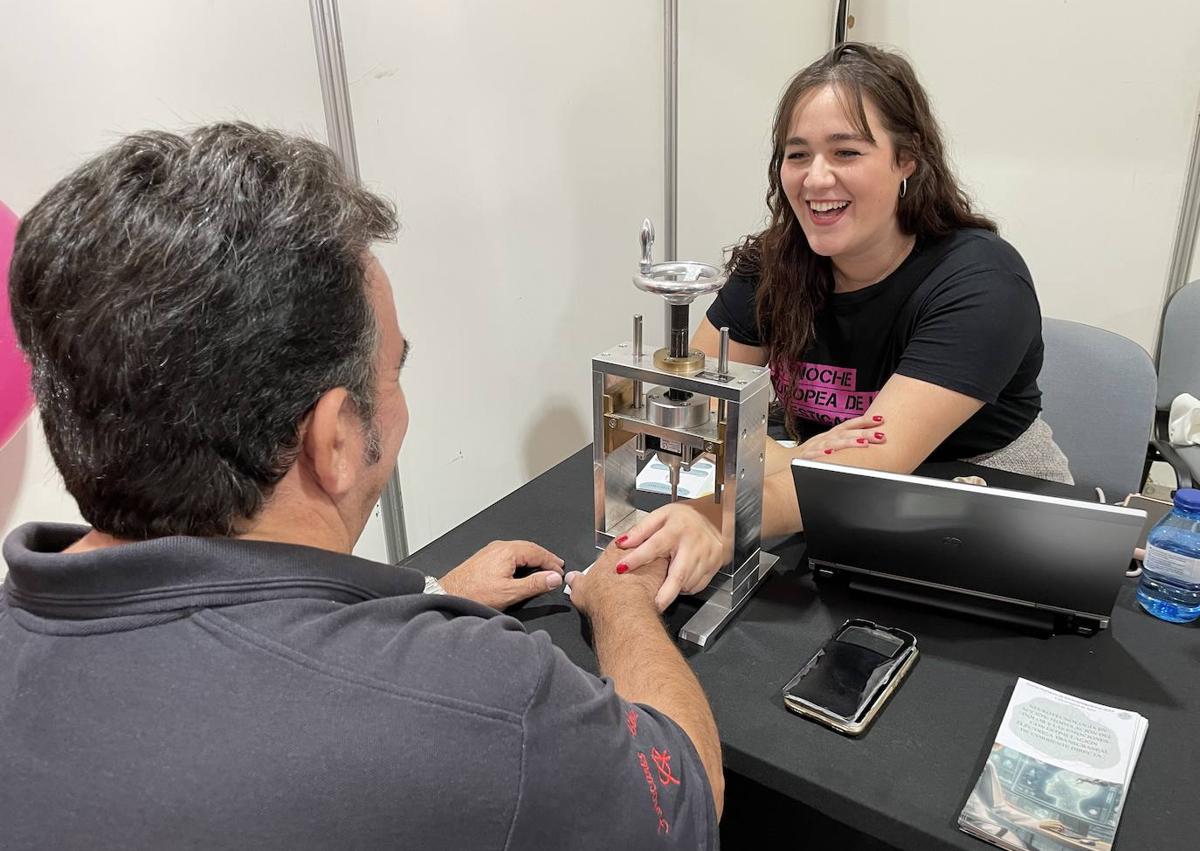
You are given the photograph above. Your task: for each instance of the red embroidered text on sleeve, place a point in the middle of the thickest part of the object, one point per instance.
(663, 826)
(631, 722)
(662, 761)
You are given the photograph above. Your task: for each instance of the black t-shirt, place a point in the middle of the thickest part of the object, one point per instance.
(960, 312)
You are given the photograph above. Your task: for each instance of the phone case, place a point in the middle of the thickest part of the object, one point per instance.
(899, 669)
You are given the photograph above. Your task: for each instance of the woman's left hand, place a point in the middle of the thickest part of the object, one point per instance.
(684, 536)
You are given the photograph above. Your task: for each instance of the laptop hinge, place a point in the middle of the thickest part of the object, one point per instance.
(1037, 620)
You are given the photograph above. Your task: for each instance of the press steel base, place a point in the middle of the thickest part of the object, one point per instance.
(704, 626)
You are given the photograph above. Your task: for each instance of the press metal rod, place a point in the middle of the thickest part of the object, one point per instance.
(638, 398)
(723, 370)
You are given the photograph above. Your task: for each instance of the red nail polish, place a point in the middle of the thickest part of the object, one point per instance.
(877, 419)
(622, 540)
(828, 451)
(862, 440)
(622, 567)
(879, 435)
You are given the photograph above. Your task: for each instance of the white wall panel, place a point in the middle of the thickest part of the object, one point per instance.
(1071, 124)
(734, 61)
(522, 142)
(77, 76)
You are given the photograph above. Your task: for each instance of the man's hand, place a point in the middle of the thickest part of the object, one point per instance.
(602, 590)
(487, 577)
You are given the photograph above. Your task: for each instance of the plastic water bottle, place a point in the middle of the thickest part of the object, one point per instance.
(1170, 583)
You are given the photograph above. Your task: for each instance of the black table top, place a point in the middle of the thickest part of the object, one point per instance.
(907, 778)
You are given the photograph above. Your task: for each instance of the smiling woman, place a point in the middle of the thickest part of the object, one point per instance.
(898, 326)
(833, 177)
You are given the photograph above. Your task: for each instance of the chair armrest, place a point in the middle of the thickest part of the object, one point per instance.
(1187, 469)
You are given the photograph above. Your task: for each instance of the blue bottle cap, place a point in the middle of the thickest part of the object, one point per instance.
(1188, 499)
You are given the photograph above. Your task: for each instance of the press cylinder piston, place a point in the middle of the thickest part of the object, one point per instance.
(676, 410)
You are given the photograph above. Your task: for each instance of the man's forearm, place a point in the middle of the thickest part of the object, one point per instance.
(645, 666)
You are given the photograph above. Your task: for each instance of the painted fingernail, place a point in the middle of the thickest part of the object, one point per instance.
(877, 419)
(622, 567)
(828, 451)
(879, 435)
(622, 540)
(862, 440)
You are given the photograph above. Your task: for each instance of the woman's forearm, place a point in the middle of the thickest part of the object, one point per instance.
(781, 512)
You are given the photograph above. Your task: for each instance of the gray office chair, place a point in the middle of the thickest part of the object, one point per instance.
(1098, 397)
(1178, 372)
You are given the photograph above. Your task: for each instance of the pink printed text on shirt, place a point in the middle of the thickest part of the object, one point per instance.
(821, 392)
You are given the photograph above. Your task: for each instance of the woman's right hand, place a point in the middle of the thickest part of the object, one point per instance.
(858, 433)
(680, 533)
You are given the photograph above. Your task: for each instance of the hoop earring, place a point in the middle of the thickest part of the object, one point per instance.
(903, 186)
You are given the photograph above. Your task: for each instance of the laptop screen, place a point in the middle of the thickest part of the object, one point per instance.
(1054, 553)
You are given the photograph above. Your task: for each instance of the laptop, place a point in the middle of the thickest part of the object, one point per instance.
(1040, 561)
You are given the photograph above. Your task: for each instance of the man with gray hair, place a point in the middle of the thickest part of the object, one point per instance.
(216, 359)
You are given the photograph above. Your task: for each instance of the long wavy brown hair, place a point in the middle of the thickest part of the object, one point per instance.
(794, 281)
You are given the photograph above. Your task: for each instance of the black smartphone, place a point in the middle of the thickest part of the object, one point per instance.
(847, 682)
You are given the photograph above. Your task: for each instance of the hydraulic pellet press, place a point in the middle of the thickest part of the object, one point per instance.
(679, 405)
